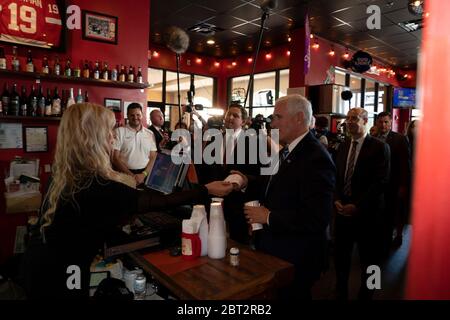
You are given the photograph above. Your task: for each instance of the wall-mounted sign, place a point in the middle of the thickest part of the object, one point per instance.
(361, 62)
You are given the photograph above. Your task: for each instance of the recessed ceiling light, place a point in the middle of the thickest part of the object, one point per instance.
(210, 42)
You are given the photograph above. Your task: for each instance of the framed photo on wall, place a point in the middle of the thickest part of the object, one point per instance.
(35, 139)
(113, 104)
(100, 27)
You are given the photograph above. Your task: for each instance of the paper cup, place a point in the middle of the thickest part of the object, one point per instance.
(236, 179)
(254, 203)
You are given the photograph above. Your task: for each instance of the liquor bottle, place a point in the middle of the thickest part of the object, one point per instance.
(45, 67)
(64, 96)
(105, 73)
(77, 70)
(71, 99)
(68, 69)
(40, 103)
(86, 71)
(79, 98)
(56, 104)
(139, 76)
(96, 71)
(15, 60)
(130, 74)
(114, 74)
(32, 103)
(122, 75)
(23, 102)
(57, 67)
(14, 102)
(30, 66)
(5, 100)
(2, 58)
(48, 104)
(86, 97)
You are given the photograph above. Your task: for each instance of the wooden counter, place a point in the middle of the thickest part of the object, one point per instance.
(258, 276)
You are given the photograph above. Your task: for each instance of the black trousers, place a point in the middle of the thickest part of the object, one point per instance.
(348, 232)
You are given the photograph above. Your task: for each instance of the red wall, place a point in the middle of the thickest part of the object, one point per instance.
(132, 47)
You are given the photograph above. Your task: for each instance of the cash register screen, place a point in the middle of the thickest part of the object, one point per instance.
(165, 174)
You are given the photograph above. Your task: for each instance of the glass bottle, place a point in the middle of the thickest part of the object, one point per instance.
(105, 73)
(68, 69)
(14, 102)
(57, 67)
(96, 71)
(139, 76)
(45, 67)
(86, 71)
(40, 103)
(79, 98)
(30, 66)
(48, 104)
(71, 99)
(56, 103)
(2, 58)
(86, 97)
(15, 60)
(5, 99)
(130, 74)
(23, 102)
(32, 103)
(122, 75)
(114, 74)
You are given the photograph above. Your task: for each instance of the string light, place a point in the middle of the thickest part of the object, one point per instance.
(331, 52)
(288, 53)
(268, 56)
(250, 60)
(155, 54)
(217, 64)
(316, 45)
(346, 55)
(198, 61)
(234, 64)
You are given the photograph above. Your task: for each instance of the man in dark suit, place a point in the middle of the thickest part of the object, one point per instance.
(362, 174)
(297, 198)
(161, 137)
(235, 119)
(397, 191)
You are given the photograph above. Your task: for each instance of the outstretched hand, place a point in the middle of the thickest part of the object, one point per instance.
(243, 176)
(219, 188)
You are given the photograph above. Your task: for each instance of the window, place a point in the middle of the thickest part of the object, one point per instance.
(163, 93)
(267, 87)
(284, 83)
(339, 77)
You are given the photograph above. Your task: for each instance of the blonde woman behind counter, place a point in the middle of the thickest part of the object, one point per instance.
(85, 201)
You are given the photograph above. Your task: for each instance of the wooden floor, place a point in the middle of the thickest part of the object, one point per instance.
(393, 275)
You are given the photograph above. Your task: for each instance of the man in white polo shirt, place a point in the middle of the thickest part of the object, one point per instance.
(134, 146)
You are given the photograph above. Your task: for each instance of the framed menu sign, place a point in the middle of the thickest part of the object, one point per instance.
(35, 139)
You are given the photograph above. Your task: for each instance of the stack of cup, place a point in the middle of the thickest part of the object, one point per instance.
(254, 203)
(199, 216)
(217, 240)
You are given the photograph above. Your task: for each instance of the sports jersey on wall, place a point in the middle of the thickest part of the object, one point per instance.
(30, 22)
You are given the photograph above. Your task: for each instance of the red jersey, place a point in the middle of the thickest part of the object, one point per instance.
(30, 22)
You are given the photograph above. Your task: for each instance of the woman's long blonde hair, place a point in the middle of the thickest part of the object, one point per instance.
(82, 154)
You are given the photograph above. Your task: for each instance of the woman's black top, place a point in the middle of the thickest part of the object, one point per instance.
(79, 230)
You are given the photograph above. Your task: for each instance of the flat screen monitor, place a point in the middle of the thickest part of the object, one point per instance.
(165, 175)
(404, 97)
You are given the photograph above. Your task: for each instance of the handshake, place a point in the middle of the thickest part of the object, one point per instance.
(236, 181)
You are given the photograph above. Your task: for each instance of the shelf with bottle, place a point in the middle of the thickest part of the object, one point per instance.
(104, 77)
(36, 105)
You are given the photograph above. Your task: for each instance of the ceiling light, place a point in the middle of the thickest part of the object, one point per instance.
(217, 64)
(155, 54)
(250, 60)
(416, 7)
(316, 45)
(288, 53)
(234, 63)
(268, 56)
(210, 42)
(198, 60)
(331, 52)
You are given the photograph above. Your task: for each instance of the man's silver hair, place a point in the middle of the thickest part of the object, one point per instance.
(362, 112)
(298, 103)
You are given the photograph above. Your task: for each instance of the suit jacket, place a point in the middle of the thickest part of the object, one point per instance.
(219, 172)
(400, 162)
(158, 136)
(299, 198)
(370, 177)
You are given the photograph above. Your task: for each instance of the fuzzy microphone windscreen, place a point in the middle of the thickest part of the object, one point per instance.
(177, 39)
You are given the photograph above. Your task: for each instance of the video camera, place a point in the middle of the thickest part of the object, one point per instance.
(259, 121)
